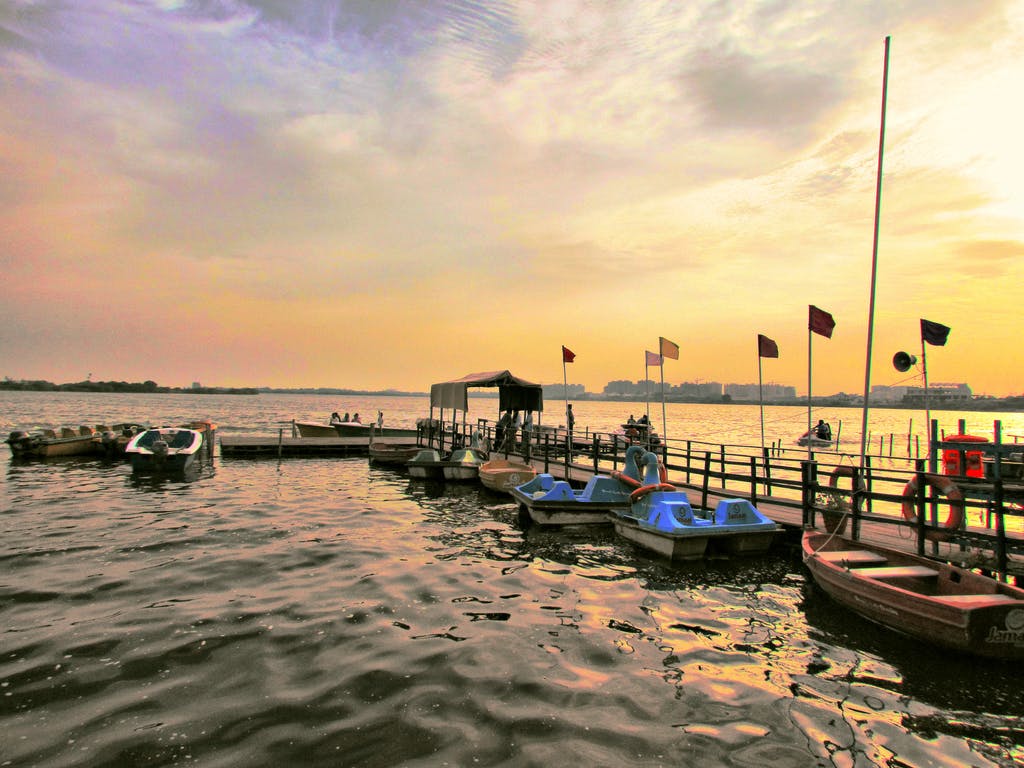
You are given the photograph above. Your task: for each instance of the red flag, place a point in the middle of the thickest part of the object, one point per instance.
(568, 355)
(934, 333)
(766, 347)
(821, 322)
(653, 358)
(668, 349)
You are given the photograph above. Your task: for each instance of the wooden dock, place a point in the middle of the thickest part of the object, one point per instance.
(239, 446)
(973, 550)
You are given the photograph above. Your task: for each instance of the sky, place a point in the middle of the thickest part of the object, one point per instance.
(387, 193)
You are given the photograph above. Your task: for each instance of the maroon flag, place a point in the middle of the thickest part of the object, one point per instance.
(766, 347)
(568, 355)
(934, 333)
(653, 358)
(821, 322)
(668, 349)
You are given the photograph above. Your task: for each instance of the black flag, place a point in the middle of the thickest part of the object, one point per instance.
(934, 333)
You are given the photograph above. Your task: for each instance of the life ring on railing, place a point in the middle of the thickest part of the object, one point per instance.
(945, 486)
(624, 478)
(856, 483)
(643, 490)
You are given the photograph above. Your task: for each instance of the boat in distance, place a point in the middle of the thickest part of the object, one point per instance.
(164, 449)
(935, 602)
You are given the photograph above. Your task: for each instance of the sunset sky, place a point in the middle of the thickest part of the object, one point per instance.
(385, 194)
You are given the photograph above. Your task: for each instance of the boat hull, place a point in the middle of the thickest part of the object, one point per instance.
(354, 429)
(35, 445)
(315, 429)
(501, 476)
(935, 602)
(167, 449)
(392, 453)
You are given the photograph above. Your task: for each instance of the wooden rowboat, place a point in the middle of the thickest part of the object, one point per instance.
(502, 475)
(935, 602)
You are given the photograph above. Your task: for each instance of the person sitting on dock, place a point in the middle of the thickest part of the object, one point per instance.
(823, 431)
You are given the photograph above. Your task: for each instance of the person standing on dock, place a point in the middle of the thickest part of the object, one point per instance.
(380, 419)
(570, 422)
(501, 428)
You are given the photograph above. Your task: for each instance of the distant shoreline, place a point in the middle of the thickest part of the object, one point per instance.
(1001, 404)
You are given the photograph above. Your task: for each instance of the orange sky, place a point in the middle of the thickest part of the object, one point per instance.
(388, 195)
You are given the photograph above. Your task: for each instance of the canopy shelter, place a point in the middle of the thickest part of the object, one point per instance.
(514, 394)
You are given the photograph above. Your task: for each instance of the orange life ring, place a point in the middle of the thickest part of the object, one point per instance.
(624, 478)
(856, 484)
(945, 486)
(662, 473)
(643, 490)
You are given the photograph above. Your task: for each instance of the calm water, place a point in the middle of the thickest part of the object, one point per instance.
(323, 612)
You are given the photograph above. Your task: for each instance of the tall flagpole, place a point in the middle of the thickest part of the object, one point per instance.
(664, 421)
(760, 393)
(874, 261)
(647, 390)
(810, 333)
(927, 409)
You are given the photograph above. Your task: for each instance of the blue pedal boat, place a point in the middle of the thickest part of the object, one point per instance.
(547, 501)
(665, 522)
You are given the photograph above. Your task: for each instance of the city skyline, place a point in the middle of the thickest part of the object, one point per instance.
(393, 194)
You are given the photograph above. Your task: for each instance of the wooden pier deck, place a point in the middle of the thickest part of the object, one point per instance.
(246, 446)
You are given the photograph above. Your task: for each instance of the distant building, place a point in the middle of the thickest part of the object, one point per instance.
(702, 389)
(883, 394)
(196, 385)
(938, 395)
(768, 391)
(562, 392)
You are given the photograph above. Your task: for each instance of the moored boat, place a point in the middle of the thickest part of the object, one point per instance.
(546, 501)
(390, 452)
(932, 601)
(427, 464)
(502, 475)
(464, 464)
(164, 449)
(49, 443)
(661, 518)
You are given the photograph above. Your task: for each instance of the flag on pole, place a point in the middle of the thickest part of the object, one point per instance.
(821, 322)
(568, 355)
(653, 358)
(934, 333)
(668, 349)
(766, 347)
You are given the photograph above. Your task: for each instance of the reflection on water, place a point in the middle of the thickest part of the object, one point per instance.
(327, 612)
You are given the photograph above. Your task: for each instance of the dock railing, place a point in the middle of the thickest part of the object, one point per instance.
(894, 494)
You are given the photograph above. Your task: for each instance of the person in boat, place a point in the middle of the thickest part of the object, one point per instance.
(335, 418)
(643, 420)
(355, 418)
(346, 416)
(631, 420)
(823, 431)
